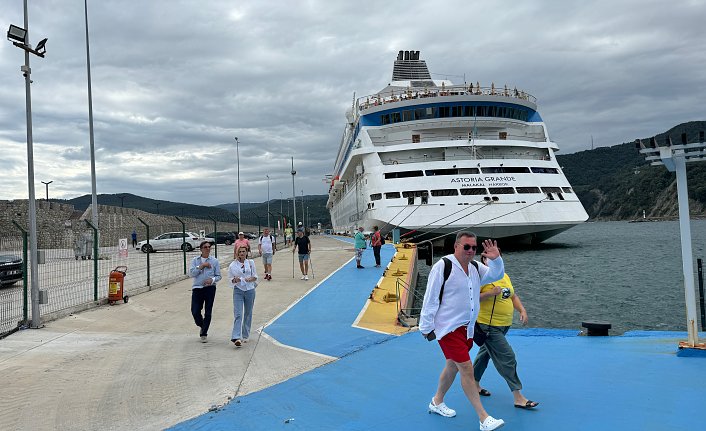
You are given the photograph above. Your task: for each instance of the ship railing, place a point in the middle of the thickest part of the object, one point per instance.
(421, 158)
(537, 137)
(378, 99)
(404, 314)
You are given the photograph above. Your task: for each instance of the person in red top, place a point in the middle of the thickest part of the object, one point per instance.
(240, 242)
(376, 242)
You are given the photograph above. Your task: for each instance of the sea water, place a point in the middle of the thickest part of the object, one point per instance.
(627, 274)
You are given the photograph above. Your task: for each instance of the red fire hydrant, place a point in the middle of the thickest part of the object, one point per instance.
(116, 285)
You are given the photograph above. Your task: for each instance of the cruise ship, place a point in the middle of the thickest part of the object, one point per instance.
(432, 158)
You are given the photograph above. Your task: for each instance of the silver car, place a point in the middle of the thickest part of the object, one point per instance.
(173, 241)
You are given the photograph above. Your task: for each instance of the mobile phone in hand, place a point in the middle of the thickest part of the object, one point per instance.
(431, 336)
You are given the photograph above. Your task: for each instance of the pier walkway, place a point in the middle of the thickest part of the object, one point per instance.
(140, 366)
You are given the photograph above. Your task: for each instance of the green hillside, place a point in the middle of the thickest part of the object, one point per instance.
(615, 183)
(251, 213)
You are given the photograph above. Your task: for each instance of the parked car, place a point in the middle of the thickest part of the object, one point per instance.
(10, 270)
(226, 238)
(173, 241)
(250, 235)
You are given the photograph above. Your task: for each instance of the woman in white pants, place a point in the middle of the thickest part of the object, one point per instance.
(243, 279)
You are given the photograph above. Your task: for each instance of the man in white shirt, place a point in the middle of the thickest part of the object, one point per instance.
(450, 317)
(267, 247)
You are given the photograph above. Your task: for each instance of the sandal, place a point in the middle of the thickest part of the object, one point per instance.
(484, 393)
(528, 405)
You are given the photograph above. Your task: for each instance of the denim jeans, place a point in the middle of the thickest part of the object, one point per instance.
(243, 301)
(203, 298)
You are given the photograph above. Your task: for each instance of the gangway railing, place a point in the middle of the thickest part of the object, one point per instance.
(406, 312)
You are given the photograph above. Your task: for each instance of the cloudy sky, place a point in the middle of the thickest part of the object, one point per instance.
(174, 81)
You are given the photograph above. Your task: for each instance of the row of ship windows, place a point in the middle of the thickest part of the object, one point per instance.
(454, 111)
(462, 171)
(470, 191)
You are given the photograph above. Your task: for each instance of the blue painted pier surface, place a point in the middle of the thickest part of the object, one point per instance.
(631, 382)
(321, 321)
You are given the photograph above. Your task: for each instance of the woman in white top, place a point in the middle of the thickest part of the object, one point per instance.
(243, 280)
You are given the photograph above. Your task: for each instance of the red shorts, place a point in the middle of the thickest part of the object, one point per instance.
(456, 345)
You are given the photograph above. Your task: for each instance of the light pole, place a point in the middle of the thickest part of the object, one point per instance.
(237, 155)
(268, 201)
(47, 184)
(303, 219)
(20, 37)
(674, 158)
(280, 209)
(294, 195)
(94, 196)
(122, 201)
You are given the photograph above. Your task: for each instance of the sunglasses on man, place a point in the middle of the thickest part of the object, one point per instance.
(469, 247)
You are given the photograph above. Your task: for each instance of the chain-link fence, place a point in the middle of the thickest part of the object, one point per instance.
(74, 260)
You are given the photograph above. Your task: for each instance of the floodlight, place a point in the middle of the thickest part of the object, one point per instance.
(41, 49)
(17, 33)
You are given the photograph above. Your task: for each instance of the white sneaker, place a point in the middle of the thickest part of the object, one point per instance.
(442, 410)
(203, 339)
(303, 277)
(490, 423)
(306, 277)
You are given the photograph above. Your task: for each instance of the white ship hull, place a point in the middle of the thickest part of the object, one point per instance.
(421, 163)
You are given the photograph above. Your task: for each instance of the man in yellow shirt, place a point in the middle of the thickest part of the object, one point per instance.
(497, 304)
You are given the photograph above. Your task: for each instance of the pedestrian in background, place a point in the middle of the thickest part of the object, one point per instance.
(206, 272)
(134, 238)
(376, 243)
(240, 242)
(289, 234)
(360, 245)
(303, 245)
(267, 246)
(243, 280)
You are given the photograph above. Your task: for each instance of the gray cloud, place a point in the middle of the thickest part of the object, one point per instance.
(175, 81)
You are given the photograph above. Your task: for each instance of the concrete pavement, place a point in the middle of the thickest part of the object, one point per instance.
(141, 366)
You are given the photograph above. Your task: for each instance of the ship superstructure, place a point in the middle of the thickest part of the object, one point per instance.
(432, 158)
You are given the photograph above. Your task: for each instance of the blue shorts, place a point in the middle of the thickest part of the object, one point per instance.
(303, 257)
(267, 258)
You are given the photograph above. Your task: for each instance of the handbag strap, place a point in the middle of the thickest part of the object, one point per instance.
(490, 322)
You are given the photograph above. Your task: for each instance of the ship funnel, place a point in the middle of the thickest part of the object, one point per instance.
(408, 67)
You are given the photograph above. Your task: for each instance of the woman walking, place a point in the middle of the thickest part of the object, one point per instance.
(497, 303)
(243, 279)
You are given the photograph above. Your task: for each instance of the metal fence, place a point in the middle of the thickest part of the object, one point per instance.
(74, 269)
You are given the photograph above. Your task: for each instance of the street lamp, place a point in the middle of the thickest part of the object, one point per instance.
(157, 204)
(294, 195)
(47, 184)
(237, 155)
(94, 195)
(303, 219)
(18, 36)
(268, 201)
